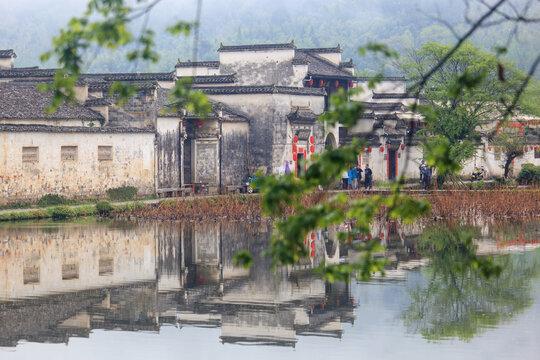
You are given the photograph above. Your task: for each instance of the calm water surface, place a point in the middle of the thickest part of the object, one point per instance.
(121, 290)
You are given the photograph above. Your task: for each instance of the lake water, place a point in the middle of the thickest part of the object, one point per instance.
(122, 290)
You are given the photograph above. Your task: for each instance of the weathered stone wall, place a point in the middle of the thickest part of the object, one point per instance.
(234, 150)
(270, 135)
(139, 110)
(168, 153)
(132, 164)
(272, 67)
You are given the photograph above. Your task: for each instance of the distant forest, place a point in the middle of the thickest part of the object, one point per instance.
(28, 27)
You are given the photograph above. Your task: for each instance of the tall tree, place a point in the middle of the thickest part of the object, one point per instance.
(468, 92)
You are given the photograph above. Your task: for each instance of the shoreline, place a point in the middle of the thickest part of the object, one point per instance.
(523, 203)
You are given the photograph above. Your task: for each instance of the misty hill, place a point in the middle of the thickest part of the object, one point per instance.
(28, 27)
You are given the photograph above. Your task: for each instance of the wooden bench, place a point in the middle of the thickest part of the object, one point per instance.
(170, 192)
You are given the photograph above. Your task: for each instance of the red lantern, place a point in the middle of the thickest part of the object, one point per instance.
(489, 148)
(321, 83)
(370, 237)
(294, 157)
(295, 139)
(313, 244)
(382, 148)
(369, 149)
(351, 84)
(537, 148)
(312, 253)
(294, 148)
(388, 146)
(532, 147)
(310, 82)
(312, 236)
(312, 148)
(402, 146)
(336, 83)
(312, 140)
(301, 150)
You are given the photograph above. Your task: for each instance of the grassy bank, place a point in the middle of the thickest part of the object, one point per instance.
(61, 212)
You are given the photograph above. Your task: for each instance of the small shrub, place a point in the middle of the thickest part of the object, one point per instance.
(122, 193)
(104, 207)
(529, 174)
(52, 199)
(37, 214)
(85, 210)
(61, 212)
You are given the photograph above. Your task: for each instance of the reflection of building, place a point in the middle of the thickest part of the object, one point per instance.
(65, 280)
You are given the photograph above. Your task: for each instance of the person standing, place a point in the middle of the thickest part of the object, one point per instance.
(287, 168)
(345, 180)
(359, 171)
(353, 178)
(368, 177)
(421, 168)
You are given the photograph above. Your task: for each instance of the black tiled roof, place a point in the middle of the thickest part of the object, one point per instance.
(72, 129)
(328, 50)
(209, 64)
(397, 106)
(302, 116)
(265, 89)
(6, 54)
(34, 72)
(347, 64)
(97, 102)
(24, 101)
(255, 47)
(163, 103)
(392, 96)
(167, 76)
(387, 78)
(101, 85)
(317, 66)
(214, 79)
(229, 114)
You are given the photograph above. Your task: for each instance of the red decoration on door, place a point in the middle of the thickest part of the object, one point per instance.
(312, 148)
(294, 157)
(295, 139)
(301, 150)
(336, 83)
(369, 149)
(312, 140)
(294, 148)
(351, 84)
(310, 82)
(312, 236)
(382, 148)
(402, 146)
(321, 83)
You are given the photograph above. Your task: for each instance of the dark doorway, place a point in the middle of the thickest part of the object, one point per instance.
(392, 164)
(299, 164)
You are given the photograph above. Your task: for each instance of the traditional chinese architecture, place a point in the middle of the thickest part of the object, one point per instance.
(266, 100)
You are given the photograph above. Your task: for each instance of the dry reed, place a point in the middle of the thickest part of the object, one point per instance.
(462, 205)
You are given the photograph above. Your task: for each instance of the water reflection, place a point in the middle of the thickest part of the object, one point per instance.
(62, 280)
(455, 298)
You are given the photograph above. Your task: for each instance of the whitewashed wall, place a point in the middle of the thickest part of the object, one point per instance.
(132, 164)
